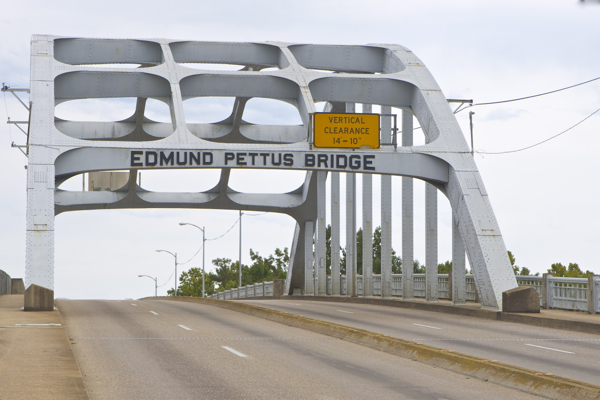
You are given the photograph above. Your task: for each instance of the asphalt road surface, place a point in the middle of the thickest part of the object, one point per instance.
(172, 350)
(569, 354)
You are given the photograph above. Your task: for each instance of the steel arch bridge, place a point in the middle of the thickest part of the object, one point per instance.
(66, 68)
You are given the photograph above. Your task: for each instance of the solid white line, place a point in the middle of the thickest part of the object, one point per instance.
(185, 327)
(135, 305)
(548, 348)
(237, 353)
(427, 326)
(37, 325)
(153, 312)
(347, 312)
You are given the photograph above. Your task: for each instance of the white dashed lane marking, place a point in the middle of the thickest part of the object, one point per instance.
(185, 327)
(153, 312)
(237, 353)
(427, 326)
(549, 348)
(347, 312)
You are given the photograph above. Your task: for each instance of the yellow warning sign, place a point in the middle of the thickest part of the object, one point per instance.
(346, 130)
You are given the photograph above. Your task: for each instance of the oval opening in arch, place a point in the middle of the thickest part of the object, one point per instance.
(263, 111)
(207, 110)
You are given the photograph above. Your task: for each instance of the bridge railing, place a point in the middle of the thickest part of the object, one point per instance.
(581, 294)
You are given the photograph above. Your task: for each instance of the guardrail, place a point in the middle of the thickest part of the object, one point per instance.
(581, 294)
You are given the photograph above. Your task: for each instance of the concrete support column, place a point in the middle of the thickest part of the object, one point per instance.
(39, 257)
(386, 236)
(367, 239)
(320, 239)
(351, 289)
(458, 289)
(431, 244)
(408, 241)
(309, 282)
(335, 234)
(367, 226)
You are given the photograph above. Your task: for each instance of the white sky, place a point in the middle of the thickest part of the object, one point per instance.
(545, 198)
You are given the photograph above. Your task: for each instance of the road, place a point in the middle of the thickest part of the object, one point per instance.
(176, 350)
(569, 354)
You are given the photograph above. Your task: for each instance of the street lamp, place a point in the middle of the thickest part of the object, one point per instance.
(174, 255)
(203, 251)
(155, 283)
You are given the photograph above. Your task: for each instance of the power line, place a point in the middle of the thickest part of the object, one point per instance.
(167, 280)
(194, 256)
(527, 97)
(234, 224)
(543, 141)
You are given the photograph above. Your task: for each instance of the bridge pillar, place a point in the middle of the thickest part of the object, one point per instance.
(458, 289)
(367, 238)
(431, 244)
(386, 213)
(367, 226)
(320, 239)
(351, 289)
(335, 234)
(386, 236)
(39, 259)
(407, 215)
(309, 280)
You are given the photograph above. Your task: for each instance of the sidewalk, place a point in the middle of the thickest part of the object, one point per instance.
(36, 361)
(556, 319)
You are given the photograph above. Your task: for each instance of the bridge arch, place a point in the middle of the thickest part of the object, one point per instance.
(384, 75)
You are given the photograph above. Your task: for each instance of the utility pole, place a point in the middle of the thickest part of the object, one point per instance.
(471, 123)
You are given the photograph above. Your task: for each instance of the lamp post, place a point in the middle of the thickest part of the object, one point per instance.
(174, 255)
(155, 284)
(203, 251)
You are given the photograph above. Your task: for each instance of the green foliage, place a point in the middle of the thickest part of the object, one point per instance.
(572, 271)
(523, 271)
(190, 284)
(226, 274)
(396, 261)
(445, 268)
(418, 268)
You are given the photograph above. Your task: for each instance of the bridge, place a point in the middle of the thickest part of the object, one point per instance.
(374, 77)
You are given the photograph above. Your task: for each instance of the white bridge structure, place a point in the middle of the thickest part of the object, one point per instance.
(67, 68)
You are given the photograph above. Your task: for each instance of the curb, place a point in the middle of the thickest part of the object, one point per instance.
(534, 382)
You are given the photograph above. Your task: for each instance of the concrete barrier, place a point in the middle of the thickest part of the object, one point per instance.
(522, 299)
(5, 283)
(39, 298)
(17, 286)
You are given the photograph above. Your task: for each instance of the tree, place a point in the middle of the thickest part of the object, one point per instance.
(512, 260)
(396, 261)
(191, 284)
(418, 268)
(445, 268)
(522, 271)
(225, 275)
(572, 271)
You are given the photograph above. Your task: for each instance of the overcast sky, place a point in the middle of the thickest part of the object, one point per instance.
(545, 198)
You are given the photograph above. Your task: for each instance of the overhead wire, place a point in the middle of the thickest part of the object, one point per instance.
(234, 224)
(526, 97)
(543, 141)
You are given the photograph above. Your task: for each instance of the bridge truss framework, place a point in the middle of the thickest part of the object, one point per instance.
(65, 68)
